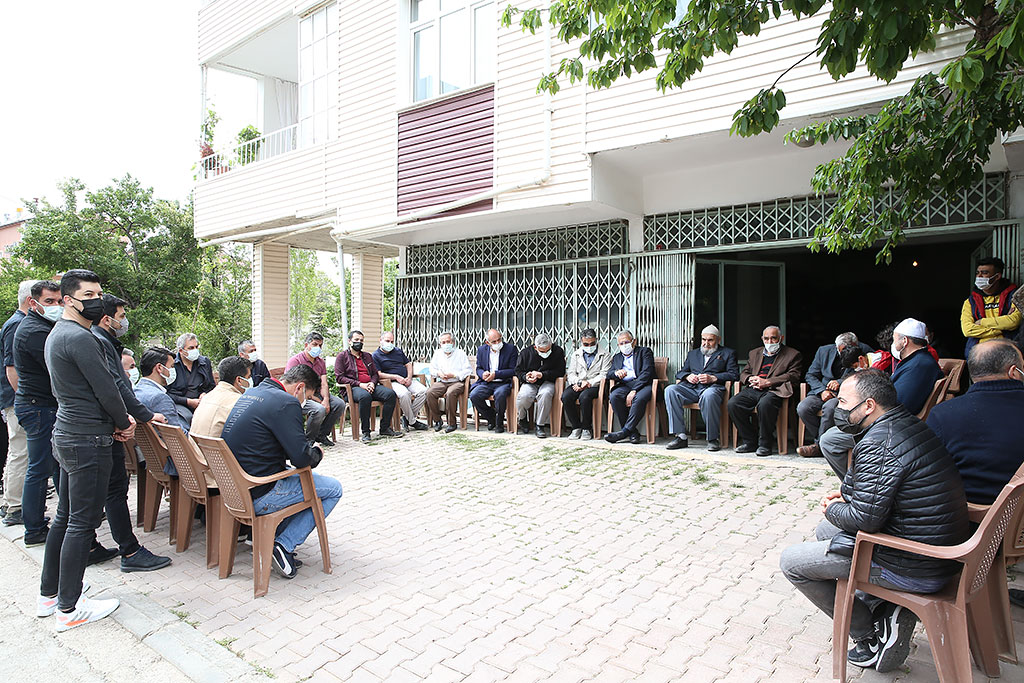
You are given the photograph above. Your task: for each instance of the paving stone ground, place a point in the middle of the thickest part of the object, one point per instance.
(479, 557)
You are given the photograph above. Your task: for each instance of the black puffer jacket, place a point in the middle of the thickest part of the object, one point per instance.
(902, 483)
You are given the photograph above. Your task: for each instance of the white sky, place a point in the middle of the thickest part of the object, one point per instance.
(95, 90)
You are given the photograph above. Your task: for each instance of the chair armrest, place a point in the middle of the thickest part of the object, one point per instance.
(384, 382)
(976, 512)
(348, 392)
(939, 552)
(273, 477)
(559, 386)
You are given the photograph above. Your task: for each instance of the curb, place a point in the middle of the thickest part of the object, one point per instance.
(193, 654)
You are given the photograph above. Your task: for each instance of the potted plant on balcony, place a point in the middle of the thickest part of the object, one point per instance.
(246, 153)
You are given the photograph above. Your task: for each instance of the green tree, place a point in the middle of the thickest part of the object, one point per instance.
(314, 301)
(936, 137)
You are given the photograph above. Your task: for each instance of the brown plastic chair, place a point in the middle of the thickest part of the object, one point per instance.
(276, 373)
(556, 404)
(725, 427)
(954, 617)
(936, 397)
(781, 423)
(236, 494)
(197, 490)
(954, 369)
(801, 428)
(650, 415)
(155, 454)
(131, 466)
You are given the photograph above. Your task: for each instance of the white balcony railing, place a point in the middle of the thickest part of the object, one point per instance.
(262, 148)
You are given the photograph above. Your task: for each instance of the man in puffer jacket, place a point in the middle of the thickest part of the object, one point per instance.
(902, 482)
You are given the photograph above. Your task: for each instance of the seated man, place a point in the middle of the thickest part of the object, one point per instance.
(538, 368)
(701, 380)
(235, 378)
(324, 410)
(260, 371)
(772, 373)
(357, 369)
(264, 431)
(158, 371)
(495, 365)
(193, 377)
(822, 380)
(899, 470)
(588, 367)
(449, 368)
(851, 359)
(393, 364)
(632, 370)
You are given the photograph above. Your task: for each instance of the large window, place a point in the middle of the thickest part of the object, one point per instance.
(318, 75)
(453, 45)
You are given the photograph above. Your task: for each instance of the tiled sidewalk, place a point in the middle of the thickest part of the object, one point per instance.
(477, 557)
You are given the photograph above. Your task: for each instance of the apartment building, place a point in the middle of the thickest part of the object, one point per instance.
(413, 128)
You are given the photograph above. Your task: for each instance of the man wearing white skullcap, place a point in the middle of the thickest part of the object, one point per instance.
(701, 380)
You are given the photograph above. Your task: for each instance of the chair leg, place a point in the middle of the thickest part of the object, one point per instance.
(228, 543)
(999, 598)
(948, 638)
(321, 532)
(783, 428)
(140, 497)
(172, 533)
(184, 515)
(214, 511)
(154, 492)
(651, 419)
(353, 416)
(982, 629)
(262, 548)
(842, 611)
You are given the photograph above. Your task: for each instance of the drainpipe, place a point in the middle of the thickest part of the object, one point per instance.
(342, 288)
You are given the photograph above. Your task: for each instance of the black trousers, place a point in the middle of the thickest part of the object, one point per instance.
(576, 402)
(629, 416)
(741, 408)
(119, 519)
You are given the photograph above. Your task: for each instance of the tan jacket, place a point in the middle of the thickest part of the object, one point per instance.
(213, 410)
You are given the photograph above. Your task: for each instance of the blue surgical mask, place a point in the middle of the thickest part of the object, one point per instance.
(447, 348)
(192, 355)
(53, 313)
(544, 354)
(315, 351)
(171, 375)
(387, 347)
(590, 349)
(133, 376)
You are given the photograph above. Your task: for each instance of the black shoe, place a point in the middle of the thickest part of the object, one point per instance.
(449, 429)
(366, 438)
(635, 439)
(524, 427)
(388, 431)
(615, 437)
(143, 561)
(418, 426)
(325, 441)
(763, 451)
(746, 448)
(492, 427)
(1016, 596)
(100, 554)
(36, 539)
(499, 429)
(713, 446)
(437, 426)
(895, 648)
(541, 432)
(677, 443)
(284, 562)
(864, 652)
(13, 518)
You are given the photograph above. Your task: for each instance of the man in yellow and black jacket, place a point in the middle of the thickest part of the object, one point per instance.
(988, 312)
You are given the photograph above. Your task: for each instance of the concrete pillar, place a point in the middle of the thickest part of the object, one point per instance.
(270, 302)
(367, 297)
(636, 234)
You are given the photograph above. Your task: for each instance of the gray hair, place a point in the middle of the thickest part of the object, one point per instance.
(391, 332)
(627, 333)
(446, 333)
(847, 339)
(241, 347)
(186, 338)
(25, 291)
(127, 352)
(543, 339)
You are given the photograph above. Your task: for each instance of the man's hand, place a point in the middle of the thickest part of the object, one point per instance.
(584, 385)
(126, 434)
(489, 376)
(367, 387)
(160, 417)
(833, 386)
(326, 403)
(620, 373)
(692, 378)
(532, 376)
(827, 395)
(708, 379)
(192, 403)
(406, 381)
(629, 398)
(829, 498)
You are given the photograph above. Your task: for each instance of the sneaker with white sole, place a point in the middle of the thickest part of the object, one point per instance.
(896, 646)
(284, 562)
(85, 612)
(46, 606)
(576, 434)
(585, 435)
(864, 653)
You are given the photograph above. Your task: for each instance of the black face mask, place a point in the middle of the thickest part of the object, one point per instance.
(842, 420)
(92, 309)
(357, 346)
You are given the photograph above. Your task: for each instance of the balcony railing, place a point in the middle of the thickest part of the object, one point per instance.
(262, 148)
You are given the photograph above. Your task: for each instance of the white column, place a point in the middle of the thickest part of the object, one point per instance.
(270, 302)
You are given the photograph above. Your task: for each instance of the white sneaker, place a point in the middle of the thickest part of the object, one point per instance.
(586, 435)
(86, 611)
(46, 606)
(575, 434)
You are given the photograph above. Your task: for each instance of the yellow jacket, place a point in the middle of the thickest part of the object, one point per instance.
(993, 325)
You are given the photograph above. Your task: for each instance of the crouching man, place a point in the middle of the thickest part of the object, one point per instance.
(902, 482)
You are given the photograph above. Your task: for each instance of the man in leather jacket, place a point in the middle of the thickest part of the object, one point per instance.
(901, 482)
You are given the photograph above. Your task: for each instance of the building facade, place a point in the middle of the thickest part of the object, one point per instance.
(413, 128)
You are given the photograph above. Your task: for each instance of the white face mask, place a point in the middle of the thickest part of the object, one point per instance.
(497, 346)
(246, 383)
(123, 329)
(983, 282)
(192, 354)
(897, 352)
(387, 347)
(52, 313)
(771, 348)
(590, 349)
(133, 376)
(626, 349)
(252, 356)
(544, 354)
(171, 375)
(447, 347)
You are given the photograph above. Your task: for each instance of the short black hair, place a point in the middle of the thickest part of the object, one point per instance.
(111, 303)
(993, 261)
(849, 356)
(354, 333)
(875, 384)
(314, 336)
(588, 333)
(48, 285)
(992, 358)
(233, 367)
(301, 373)
(72, 280)
(152, 357)
(884, 336)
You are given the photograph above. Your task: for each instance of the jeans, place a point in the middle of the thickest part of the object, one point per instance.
(365, 401)
(580, 415)
(479, 394)
(119, 519)
(742, 405)
(707, 396)
(294, 530)
(85, 461)
(37, 421)
(320, 422)
(629, 416)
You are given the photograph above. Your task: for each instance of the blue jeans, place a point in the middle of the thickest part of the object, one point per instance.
(479, 394)
(37, 421)
(296, 528)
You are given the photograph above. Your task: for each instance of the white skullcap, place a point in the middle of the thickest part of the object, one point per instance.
(912, 327)
(711, 329)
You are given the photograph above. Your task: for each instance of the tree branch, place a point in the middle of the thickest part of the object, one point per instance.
(793, 66)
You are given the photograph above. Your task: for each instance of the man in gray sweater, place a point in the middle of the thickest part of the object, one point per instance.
(90, 416)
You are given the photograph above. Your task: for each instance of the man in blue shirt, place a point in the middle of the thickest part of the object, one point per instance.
(393, 364)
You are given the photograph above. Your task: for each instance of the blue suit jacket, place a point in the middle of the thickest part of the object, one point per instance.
(643, 366)
(914, 379)
(722, 364)
(819, 373)
(507, 359)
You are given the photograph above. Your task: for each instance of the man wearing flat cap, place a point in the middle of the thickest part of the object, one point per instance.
(701, 380)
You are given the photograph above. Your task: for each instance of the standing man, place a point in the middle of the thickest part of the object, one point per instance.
(988, 312)
(35, 405)
(357, 369)
(193, 377)
(325, 411)
(260, 371)
(632, 369)
(17, 453)
(702, 380)
(588, 367)
(90, 417)
(772, 373)
(538, 368)
(449, 368)
(495, 366)
(393, 364)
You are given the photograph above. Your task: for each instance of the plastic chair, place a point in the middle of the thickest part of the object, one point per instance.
(236, 494)
(197, 489)
(724, 426)
(781, 423)
(954, 369)
(650, 416)
(131, 465)
(801, 428)
(937, 396)
(953, 618)
(353, 412)
(276, 373)
(556, 404)
(155, 454)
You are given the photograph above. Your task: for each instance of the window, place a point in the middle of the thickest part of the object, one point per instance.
(318, 75)
(453, 44)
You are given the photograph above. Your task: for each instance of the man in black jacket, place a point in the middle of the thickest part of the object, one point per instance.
(260, 371)
(264, 431)
(193, 377)
(632, 371)
(538, 367)
(902, 482)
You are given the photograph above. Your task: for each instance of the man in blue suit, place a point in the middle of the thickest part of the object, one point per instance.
(632, 371)
(701, 380)
(822, 380)
(495, 367)
(158, 372)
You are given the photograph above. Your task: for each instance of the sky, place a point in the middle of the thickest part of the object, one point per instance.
(95, 90)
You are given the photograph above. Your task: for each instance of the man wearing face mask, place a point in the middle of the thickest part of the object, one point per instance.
(130, 369)
(902, 483)
(158, 373)
(822, 380)
(772, 373)
(588, 367)
(235, 379)
(17, 453)
(260, 371)
(323, 411)
(393, 364)
(449, 368)
(264, 432)
(988, 312)
(36, 407)
(632, 370)
(701, 380)
(495, 366)
(193, 377)
(358, 370)
(537, 369)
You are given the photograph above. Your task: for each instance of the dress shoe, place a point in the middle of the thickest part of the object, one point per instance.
(524, 427)
(763, 451)
(746, 448)
(676, 443)
(615, 437)
(388, 431)
(100, 554)
(635, 439)
(491, 427)
(541, 432)
(812, 451)
(499, 429)
(449, 429)
(713, 446)
(418, 426)
(437, 426)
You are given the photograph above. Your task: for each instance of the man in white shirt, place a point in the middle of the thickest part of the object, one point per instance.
(449, 368)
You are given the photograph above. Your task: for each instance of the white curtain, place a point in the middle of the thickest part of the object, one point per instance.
(287, 95)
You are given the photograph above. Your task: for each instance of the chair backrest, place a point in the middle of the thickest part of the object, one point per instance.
(231, 480)
(1013, 543)
(990, 533)
(153, 449)
(276, 372)
(952, 368)
(190, 472)
(937, 395)
(661, 369)
(131, 465)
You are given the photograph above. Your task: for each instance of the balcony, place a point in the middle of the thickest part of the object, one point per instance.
(253, 151)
